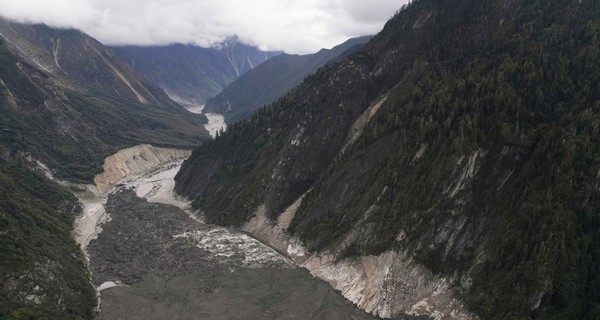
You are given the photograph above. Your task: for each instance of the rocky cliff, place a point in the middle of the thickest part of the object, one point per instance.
(388, 284)
(449, 168)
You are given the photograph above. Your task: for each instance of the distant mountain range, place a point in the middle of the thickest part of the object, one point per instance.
(274, 78)
(191, 74)
(70, 100)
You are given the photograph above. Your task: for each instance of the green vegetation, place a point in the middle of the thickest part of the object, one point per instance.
(69, 121)
(40, 262)
(483, 162)
(274, 78)
(73, 130)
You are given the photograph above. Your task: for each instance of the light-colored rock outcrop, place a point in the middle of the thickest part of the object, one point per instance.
(134, 160)
(127, 162)
(274, 233)
(389, 284)
(360, 123)
(123, 164)
(384, 285)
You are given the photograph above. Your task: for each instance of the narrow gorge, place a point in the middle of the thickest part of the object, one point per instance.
(446, 168)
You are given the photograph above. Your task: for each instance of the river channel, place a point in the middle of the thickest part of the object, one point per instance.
(152, 258)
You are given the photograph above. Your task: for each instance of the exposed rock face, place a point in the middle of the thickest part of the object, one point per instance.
(153, 261)
(385, 285)
(135, 160)
(477, 175)
(389, 284)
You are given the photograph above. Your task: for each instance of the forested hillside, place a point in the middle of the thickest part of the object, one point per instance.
(43, 273)
(73, 105)
(465, 136)
(67, 103)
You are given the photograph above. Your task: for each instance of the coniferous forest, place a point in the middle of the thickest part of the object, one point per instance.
(485, 155)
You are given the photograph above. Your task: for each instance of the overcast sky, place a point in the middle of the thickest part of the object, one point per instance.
(294, 26)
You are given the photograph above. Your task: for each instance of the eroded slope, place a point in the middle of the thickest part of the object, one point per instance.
(479, 172)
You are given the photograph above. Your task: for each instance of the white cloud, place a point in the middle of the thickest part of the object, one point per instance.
(295, 26)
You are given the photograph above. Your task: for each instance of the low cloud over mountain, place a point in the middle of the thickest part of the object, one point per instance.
(269, 24)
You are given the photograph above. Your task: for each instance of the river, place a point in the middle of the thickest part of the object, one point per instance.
(216, 122)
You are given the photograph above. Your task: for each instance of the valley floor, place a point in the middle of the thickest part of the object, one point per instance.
(216, 122)
(153, 260)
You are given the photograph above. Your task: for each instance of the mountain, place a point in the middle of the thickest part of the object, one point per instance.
(75, 58)
(70, 102)
(191, 74)
(66, 102)
(274, 78)
(449, 168)
(43, 274)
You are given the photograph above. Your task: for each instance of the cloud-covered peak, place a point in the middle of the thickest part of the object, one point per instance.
(294, 26)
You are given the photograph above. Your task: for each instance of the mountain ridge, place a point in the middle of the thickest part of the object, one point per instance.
(191, 74)
(275, 77)
(68, 55)
(88, 98)
(66, 103)
(479, 165)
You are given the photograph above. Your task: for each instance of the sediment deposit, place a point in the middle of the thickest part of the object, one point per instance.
(133, 161)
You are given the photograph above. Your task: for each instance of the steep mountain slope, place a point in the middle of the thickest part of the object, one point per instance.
(449, 168)
(42, 270)
(79, 60)
(272, 79)
(191, 74)
(70, 103)
(66, 102)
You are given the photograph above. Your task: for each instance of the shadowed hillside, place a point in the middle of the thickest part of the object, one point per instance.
(456, 153)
